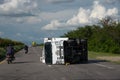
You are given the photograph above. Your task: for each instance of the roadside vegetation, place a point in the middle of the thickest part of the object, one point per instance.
(104, 56)
(3, 44)
(103, 38)
(101, 54)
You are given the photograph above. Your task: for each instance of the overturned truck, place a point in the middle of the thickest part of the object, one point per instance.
(64, 50)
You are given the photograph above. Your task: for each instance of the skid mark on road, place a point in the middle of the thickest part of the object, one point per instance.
(105, 66)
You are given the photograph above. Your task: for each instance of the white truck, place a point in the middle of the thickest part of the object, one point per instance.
(64, 50)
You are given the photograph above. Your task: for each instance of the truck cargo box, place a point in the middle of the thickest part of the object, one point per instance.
(75, 51)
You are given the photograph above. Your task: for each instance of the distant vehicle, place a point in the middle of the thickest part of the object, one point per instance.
(64, 50)
(33, 43)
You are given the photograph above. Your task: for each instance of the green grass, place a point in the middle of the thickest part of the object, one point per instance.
(95, 55)
(100, 54)
(2, 53)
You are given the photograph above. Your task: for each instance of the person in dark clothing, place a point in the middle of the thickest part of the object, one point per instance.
(10, 51)
(26, 49)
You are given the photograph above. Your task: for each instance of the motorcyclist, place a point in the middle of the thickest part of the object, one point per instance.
(10, 52)
(26, 49)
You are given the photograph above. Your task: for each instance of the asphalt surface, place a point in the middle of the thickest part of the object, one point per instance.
(29, 67)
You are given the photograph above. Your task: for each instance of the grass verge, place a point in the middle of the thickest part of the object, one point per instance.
(115, 58)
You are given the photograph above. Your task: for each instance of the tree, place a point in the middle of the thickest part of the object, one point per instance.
(102, 39)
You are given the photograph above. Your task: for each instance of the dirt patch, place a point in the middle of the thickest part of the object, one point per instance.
(110, 58)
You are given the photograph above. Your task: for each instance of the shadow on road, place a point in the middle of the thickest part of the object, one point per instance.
(23, 62)
(91, 61)
(95, 61)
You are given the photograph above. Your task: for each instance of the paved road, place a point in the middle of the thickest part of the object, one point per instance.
(29, 67)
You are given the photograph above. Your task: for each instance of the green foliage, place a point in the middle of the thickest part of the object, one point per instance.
(105, 38)
(18, 47)
(92, 54)
(4, 43)
(2, 53)
(40, 44)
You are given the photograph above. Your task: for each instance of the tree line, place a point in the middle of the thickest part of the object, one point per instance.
(4, 42)
(103, 37)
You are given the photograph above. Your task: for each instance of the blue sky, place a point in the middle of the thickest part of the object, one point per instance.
(33, 20)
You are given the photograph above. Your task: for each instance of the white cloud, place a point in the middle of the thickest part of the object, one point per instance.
(30, 20)
(57, 25)
(84, 17)
(17, 6)
(8, 5)
(81, 17)
(87, 16)
(52, 25)
(59, 1)
(98, 11)
(113, 11)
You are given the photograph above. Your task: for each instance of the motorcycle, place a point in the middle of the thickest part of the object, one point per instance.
(9, 58)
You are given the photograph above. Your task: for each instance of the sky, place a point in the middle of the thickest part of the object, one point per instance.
(33, 20)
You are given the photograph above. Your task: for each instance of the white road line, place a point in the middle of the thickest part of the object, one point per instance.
(104, 66)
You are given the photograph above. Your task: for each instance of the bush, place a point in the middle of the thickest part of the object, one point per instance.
(115, 50)
(2, 53)
(18, 47)
(104, 38)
